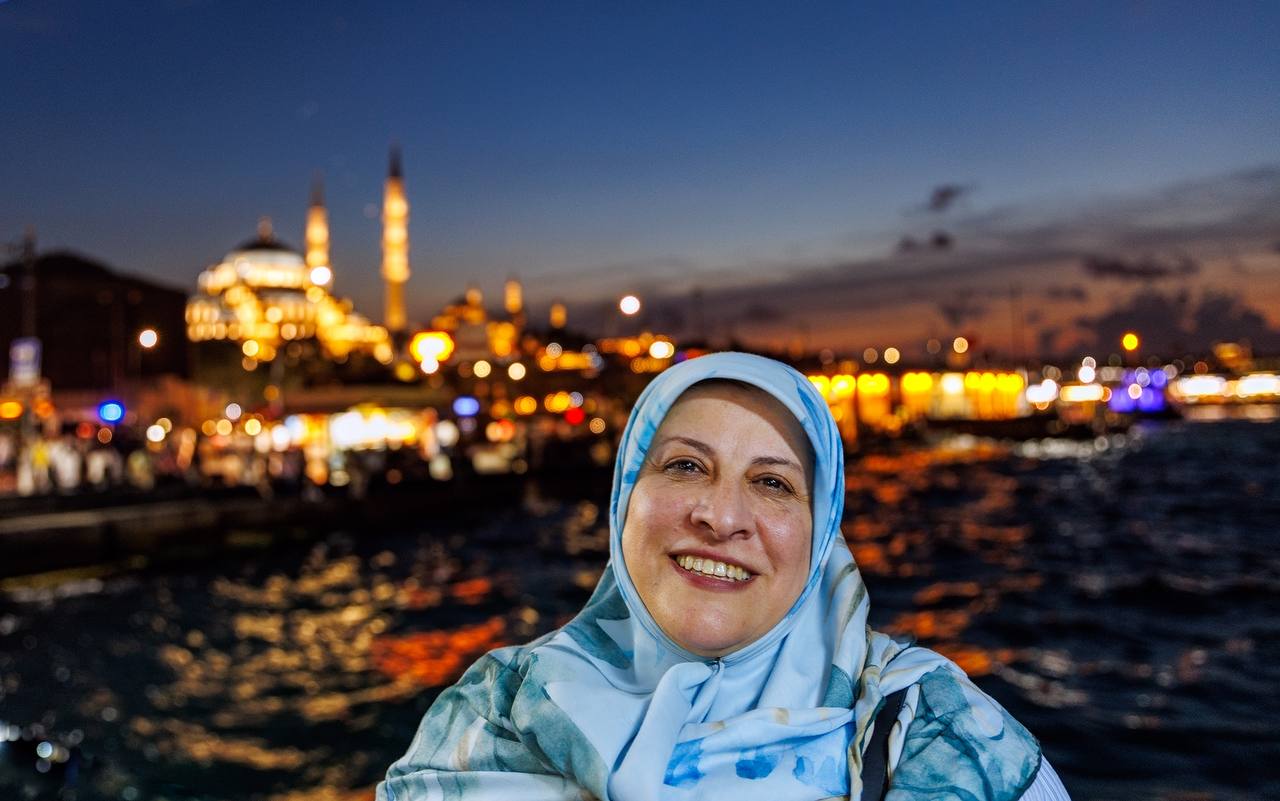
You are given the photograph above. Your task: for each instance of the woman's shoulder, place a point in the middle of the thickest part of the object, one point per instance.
(962, 737)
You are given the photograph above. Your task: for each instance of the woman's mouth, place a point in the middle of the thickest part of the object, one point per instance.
(725, 571)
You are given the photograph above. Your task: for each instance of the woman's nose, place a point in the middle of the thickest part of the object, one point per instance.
(722, 510)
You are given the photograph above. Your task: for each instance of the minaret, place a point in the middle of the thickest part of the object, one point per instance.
(395, 244)
(317, 228)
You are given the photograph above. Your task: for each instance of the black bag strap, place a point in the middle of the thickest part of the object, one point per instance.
(875, 759)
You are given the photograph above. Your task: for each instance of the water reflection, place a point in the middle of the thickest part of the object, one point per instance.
(1123, 595)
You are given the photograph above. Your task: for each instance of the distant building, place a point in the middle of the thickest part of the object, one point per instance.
(88, 318)
(264, 295)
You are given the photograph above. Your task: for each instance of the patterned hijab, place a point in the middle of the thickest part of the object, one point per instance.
(609, 705)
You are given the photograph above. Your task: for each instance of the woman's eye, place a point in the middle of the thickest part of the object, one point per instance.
(683, 466)
(775, 484)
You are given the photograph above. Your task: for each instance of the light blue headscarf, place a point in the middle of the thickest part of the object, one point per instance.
(610, 707)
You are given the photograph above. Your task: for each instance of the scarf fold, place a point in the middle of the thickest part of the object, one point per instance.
(609, 707)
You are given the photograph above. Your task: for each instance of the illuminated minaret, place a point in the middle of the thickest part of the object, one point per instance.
(317, 228)
(395, 244)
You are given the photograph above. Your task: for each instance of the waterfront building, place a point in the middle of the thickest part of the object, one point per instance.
(264, 295)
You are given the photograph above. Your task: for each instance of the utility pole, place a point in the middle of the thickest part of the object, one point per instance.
(29, 282)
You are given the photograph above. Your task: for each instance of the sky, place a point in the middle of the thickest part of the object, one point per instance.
(838, 175)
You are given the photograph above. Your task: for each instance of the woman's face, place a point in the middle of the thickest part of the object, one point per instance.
(718, 528)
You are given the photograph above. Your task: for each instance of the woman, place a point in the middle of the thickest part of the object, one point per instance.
(725, 651)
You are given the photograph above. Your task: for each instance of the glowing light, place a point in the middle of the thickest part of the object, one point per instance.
(436, 345)
(223, 427)
(1083, 393)
(482, 369)
(916, 383)
(952, 384)
(960, 345)
(597, 425)
(1086, 374)
(166, 424)
(891, 355)
(822, 383)
(155, 434)
(447, 433)
(111, 411)
(870, 355)
(842, 386)
(253, 427)
(1044, 392)
(516, 371)
(466, 406)
(554, 350)
(1257, 384)
(662, 350)
(1129, 341)
(10, 410)
(429, 365)
(873, 384)
(250, 347)
(148, 338)
(233, 411)
(575, 416)
(405, 372)
(629, 305)
(321, 275)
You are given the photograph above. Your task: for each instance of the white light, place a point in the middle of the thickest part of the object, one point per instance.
(953, 384)
(482, 369)
(155, 433)
(148, 338)
(662, 350)
(1044, 392)
(1086, 374)
(891, 355)
(233, 411)
(1199, 386)
(446, 433)
(1258, 384)
(629, 305)
(321, 275)
(516, 371)
(430, 365)
(1082, 393)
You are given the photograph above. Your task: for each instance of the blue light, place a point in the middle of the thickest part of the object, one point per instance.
(466, 406)
(111, 411)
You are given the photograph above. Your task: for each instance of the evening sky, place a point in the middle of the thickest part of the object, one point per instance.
(780, 157)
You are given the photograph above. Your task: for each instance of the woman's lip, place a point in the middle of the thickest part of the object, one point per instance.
(708, 582)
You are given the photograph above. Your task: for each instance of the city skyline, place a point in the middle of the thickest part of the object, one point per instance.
(844, 177)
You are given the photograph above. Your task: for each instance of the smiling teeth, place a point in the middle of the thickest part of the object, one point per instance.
(710, 567)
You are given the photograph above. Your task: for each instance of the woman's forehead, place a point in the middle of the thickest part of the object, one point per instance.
(758, 403)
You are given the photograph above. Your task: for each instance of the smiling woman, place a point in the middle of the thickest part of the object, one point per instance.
(725, 651)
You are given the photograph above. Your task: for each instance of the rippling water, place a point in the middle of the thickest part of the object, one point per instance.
(1121, 597)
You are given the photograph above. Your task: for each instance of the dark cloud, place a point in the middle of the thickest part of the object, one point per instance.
(1175, 322)
(944, 196)
(1141, 269)
(762, 313)
(938, 240)
(961, 308)
(1073, 292)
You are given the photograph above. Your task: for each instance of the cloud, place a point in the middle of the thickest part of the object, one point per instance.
(1073, 292)
(1177, 322)
(919, 291)
(1143, 269)
(944, 196)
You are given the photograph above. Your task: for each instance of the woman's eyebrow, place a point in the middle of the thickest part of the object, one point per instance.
(696, 444)
(777, 461)
(709, 452)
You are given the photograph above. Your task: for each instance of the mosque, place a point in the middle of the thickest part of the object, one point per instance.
(264, 296)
